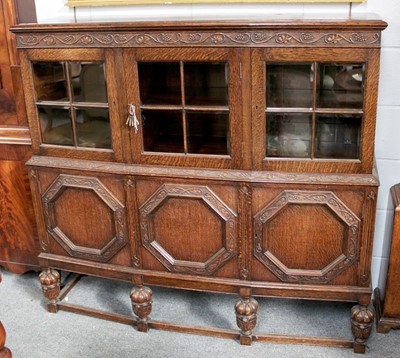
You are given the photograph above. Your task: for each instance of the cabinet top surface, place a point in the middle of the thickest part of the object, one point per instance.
(316, 21)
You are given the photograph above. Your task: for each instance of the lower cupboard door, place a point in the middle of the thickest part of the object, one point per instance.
(307, 236)
(85, 217)
(188, 228)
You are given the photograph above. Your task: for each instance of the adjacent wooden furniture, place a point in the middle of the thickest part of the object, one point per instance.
(388, 311)
(4, 351)
(220, 156)
(18, 238)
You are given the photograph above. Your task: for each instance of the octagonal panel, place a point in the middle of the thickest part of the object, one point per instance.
(308, 236)
(181, 235)
(84, 217)
(188, 228)
(92, 220)
(294, 248)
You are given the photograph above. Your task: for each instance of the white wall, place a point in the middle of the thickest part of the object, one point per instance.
(387, 146)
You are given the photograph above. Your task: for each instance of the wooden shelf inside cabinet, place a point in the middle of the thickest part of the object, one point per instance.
(205, 156)
(388, 309)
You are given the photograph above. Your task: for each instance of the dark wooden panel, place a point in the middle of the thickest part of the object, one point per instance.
(18, 248)
(8, 111)
(17, 223)
(12, 105)
(26, 11)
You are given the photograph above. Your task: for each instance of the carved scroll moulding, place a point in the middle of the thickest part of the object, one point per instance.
(284, 38)
(116, 210)
(213, 207)
(337, 214)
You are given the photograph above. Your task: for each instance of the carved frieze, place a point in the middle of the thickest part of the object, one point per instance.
(269, 38)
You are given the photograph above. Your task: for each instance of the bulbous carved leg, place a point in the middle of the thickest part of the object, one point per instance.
(50, 280)
(362, 317)
(4, 351)
(141, 305)
(246, 318)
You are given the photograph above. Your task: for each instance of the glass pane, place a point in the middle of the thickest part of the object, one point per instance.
(338, 136)
(208, 132)
(50, 81)
(290, 85)
(340, 85)
(288, 135)
(88, 82)
(55, 125)
(93, 127)
(206, 84)
(160, 83)
(162, 131)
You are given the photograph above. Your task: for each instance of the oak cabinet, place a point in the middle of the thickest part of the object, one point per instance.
(233, 157)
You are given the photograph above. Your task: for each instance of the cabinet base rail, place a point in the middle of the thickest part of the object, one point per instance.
(73, 279)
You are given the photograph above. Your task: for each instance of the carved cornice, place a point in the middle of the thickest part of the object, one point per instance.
(282, 38)
(208, 174)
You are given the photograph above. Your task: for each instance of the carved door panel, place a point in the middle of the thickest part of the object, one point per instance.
(308, 236)
(84, 217)
(185, 106)
(188, 228)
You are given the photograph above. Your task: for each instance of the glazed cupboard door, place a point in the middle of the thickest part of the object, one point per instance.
(184, 106)
(313, 110)
(73, 109)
